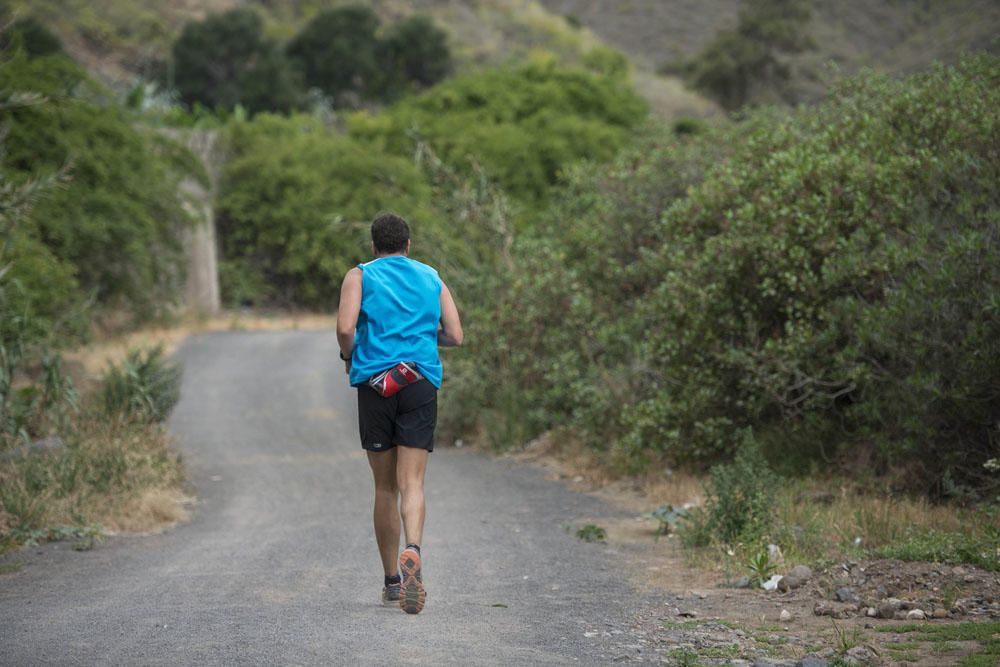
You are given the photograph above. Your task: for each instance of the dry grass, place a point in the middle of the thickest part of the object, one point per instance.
(149, 512)
(567, 458)
(93, 359)
(112, 475)
(816, 521)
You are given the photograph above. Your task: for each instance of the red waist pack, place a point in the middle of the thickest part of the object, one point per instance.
(391, 381)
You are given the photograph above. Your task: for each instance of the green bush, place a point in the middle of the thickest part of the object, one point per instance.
(31, 35)
(413, 52)
(109, 232)
(831, 285)
(294, 208)
(747, 64)
(523, 124)
(145, 386)
(336, 51)
(557, 328)
(739, 504)
(826, 277)
(226, 60)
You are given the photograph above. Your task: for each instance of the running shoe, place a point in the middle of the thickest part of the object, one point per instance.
(412, 593)
(391, 595)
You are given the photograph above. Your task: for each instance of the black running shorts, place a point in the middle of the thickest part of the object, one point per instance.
(406, 418)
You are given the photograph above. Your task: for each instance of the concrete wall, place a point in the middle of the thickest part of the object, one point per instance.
(201, 290)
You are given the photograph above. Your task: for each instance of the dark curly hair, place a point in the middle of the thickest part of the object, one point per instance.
(390, 233)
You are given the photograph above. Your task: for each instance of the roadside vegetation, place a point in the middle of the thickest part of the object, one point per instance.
(89, 221)
(778, 301)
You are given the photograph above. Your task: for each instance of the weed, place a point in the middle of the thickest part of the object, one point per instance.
(668, 516)
(592, 533)
(683, 657)
(944, 636)
(727, 651)
(846, 640)
(145, 386)
(761, 568)
(967, 631)
(944, 647)
(945, 547)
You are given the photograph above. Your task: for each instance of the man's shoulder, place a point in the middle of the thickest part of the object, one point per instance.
(427, 268)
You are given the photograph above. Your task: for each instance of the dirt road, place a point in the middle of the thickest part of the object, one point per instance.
(279, 566)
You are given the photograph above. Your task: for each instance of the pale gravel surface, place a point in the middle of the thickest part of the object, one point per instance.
(278, 564)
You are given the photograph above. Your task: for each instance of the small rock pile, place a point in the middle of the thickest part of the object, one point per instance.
(893, 589)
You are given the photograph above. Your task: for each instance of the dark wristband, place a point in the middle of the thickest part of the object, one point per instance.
(342, 357)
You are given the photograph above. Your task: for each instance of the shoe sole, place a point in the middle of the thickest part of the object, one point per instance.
(412, 594)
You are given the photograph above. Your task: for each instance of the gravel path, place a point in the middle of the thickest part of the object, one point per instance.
(279, 566)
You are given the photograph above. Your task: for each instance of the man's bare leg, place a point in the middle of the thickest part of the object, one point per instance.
(410, 467)
(383, 465)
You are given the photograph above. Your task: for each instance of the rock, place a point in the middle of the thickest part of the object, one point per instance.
(959, 607)
(871, 612)
(958, 571)
(742, 582)
(916, 615)
(812, 661)
(785, 616)
(687, 613)
(969, 579)
(940, 612)
(822, 609)
(796, 578)
(886, 609)
(846, 595)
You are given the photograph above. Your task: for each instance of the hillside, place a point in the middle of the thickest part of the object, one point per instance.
(120, 40)
(896, 36)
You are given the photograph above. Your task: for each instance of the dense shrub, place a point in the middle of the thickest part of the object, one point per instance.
(336, 51)
(295, 204)
(32, 35)
(558, 331)
(747, 64)
(414, 52)
(740, 503)
(108, 233)
(831, 283)
(523, 124)
(227, 60)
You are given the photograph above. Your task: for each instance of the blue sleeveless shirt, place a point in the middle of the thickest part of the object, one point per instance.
(400, 312)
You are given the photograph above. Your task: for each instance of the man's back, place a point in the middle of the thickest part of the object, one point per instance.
(398, 318)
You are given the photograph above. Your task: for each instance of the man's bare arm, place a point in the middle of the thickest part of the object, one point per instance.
(347, 314)
(450, 334)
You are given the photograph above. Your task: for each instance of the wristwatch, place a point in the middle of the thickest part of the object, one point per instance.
(342, 357)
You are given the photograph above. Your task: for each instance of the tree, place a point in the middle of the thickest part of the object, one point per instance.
(414, 51)
(739, 62)
(226, 60)
(336, 50)
(32, 35)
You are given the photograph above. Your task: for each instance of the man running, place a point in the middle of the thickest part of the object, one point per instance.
(395, 310)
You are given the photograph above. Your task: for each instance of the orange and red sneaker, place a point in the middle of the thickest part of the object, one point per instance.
(412, 594)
